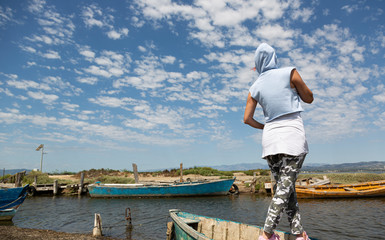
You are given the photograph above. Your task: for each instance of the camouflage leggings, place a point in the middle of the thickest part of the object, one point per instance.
(285, 170)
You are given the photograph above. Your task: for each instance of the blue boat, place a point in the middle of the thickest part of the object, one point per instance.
(188, 226)
(10, 201)
(198, 188)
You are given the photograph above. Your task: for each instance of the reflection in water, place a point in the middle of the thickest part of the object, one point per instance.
(343, 218)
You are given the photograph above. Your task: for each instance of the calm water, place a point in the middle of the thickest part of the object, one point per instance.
(345, 218)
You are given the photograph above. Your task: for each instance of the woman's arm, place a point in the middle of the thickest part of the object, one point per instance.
(304, 92)
(248, 118)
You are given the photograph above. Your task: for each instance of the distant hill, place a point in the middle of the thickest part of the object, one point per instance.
(348, 167)
(373, 166)
(241, 166)
(343, 167)
(13, 171)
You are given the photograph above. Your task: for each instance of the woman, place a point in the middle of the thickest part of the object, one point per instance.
(284, 145)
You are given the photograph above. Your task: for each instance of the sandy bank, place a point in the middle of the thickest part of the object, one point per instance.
(13, 232)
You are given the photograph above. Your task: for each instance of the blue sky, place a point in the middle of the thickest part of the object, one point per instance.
(104, 84)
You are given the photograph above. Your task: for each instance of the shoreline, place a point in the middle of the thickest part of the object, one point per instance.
(13, 232)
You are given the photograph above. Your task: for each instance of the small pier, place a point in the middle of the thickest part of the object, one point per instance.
(46, 189)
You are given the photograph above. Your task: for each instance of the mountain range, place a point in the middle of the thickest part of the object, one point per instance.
(373, 166)
(343, 167)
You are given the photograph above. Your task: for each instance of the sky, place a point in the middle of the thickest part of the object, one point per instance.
(105, 84)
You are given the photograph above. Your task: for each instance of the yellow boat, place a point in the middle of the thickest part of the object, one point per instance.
(367, 189)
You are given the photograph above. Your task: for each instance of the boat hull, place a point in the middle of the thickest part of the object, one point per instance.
(7, 214)
(368, 189)
(187, 226)
(10, 200)
(220, 187)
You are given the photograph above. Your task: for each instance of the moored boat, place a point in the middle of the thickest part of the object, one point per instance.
(197, 188)
(10, 201)
(367, 189)
(188, 226)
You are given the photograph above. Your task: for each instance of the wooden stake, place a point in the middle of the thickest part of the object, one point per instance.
(170, 230)
(81, 184)
(181, 172)
(272, 183)
(55, 187)
(97, 231)
(135, 168)
(18, 180)
(35, 180)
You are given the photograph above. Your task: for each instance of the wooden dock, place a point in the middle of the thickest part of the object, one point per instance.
(47, 189)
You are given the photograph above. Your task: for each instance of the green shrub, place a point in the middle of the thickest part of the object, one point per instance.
(4, 177)
(204, 171)
(42, 178)
(56, 172)
(260, 172)
(111, 179)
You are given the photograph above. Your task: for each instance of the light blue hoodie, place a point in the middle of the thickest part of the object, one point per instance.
(272, 88)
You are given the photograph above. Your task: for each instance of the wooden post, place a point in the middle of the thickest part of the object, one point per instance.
(97, 231)
(181, 172)
(35, 181)
(135, 168)
(81, 184)
(253, 183)
(55, 187)
(272, 183)
(170, 230)
(16, 177)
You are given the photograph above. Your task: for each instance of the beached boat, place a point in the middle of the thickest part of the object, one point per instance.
(10, 201)
(368, 189)
(197, 188)
(188, 226)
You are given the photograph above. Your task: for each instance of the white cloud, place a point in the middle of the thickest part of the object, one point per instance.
(6, 15)
(379, 98)
(207, 18)
(168, 59)
(95, 70)
(277, 36)
(36, 6)
(113, 34)
(90, 14)
(303, 13)
(112, 101)
(350, 8)
(45, 98)
(95, 16)
(7, 92)
(87, 53)
(109, 64)
(51, 55)
(70, 106)
(148, 75)
(117, 34)
(142, 49)
(28, 49)
(25, 84)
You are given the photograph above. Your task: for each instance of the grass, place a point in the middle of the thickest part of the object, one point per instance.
(4, 177)
(263, 175)
(205, 171)
(347, 178)
(110, 179)
(42, 178)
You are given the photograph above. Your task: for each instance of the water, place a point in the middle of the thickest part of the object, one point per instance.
(342, 218)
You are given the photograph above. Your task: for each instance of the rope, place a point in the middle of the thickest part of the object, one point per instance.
(13, 201)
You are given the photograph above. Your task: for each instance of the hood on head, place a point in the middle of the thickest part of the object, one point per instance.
(265, 58)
